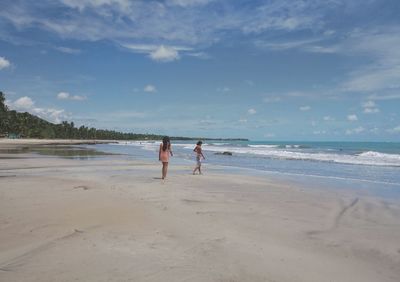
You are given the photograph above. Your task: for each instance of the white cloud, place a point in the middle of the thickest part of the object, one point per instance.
(63, 95)
(161, 53)
(199, 55)
(370, 107)
(394, 130)
(271, 16)
(285, 45)
(329, 118)
(82, 4)
(67, 96)
(352, 117)
(374, 79)
(224, 89)
(272, 99)
(269, 135)
(140, 48)
(78, 98)
(305, 44)
(164, 54)
(357, 130)
(188, 22)
(381, 46)
(150, 88)
(251, 111)
(207, 122)
(305, 108)
(27, 104)
(368, 104)
(299, 94)
(320, 49)
(374, 130)
(242, 120)
(378, 45)
(23, 103)
(371, 110)
(4, 63)
(319, 132)
(188, 3)
(68, 50)
(329, 32)
(384, 96)
(52, 115)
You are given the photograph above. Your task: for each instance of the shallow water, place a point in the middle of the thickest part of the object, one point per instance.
(75, 152)
(365, 167)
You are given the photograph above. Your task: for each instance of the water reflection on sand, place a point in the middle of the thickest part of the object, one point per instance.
(75, 152)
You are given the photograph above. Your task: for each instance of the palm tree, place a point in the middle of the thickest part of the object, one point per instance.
(3, 115)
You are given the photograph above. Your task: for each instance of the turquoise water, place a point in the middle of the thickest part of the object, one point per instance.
(359, 164)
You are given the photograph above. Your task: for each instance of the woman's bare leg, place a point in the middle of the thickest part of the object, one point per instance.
(164, 170)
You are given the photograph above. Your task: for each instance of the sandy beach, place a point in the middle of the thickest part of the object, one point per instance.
(113, 219)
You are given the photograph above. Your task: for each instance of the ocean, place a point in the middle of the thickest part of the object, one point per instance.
(373, 166)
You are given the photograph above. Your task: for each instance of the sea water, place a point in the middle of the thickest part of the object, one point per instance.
(364, 165)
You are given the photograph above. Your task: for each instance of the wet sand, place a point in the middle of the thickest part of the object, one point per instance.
(112, 219)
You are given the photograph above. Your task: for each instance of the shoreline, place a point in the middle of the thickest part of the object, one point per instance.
(378, 187)
(113, 219)
(282, 177)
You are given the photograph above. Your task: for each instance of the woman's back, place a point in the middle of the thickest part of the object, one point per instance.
(164, 154)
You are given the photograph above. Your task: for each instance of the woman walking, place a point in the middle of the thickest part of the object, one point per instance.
(199, 156)
(163, 155)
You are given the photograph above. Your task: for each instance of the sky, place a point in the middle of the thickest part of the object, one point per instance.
(325, 70)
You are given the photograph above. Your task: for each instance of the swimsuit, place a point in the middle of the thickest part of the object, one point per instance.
(164, 155)
(198, 160)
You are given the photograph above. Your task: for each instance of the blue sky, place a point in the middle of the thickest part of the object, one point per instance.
(265, 70)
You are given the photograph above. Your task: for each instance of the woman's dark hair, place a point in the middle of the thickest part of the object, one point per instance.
(199, 143)
(165, 143)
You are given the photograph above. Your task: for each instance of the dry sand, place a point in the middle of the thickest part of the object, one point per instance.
(115, 220)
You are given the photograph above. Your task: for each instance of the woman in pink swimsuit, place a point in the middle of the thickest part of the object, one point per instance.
(163, 155)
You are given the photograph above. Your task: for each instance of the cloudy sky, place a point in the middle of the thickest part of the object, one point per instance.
(265, 70)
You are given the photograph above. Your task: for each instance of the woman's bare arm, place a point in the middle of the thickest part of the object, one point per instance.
(201, 153)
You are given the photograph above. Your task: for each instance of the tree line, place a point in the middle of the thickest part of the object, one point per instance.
(26, 125)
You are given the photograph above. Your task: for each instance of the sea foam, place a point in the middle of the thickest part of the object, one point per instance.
(286, 152)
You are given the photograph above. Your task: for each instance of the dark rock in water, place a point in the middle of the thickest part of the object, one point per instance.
(224, 153)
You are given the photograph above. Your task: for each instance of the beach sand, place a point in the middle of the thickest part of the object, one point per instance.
(114, 219)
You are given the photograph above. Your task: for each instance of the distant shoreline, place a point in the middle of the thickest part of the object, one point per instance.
(25, 142)
(6, 142)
